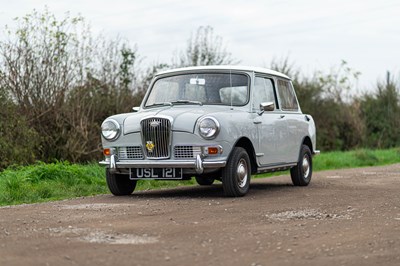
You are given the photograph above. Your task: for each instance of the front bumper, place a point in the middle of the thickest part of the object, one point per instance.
(199, 164)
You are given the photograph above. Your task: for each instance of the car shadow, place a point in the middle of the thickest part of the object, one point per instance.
(213, 191)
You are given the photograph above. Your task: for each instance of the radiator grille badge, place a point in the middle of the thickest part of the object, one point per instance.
(150, 146)
(154, 123)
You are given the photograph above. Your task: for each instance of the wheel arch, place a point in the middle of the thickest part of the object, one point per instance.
(306, 141)
(246, 144)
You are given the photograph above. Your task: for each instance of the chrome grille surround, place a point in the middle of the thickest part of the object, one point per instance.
(185, 152)
(156, 137)
(130, 153)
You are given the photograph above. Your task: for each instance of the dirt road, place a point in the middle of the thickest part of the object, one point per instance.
(345, 217)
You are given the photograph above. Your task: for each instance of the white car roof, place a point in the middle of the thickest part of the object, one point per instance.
(227, 67)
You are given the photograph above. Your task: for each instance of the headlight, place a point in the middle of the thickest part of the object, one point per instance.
(110, 129)
(208, 127)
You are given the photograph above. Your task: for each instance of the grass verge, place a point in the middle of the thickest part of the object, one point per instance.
(46, 182)
(356, 158)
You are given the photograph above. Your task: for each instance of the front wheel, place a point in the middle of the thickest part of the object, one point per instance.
(120, 185)
(302, 172)
(236, 174)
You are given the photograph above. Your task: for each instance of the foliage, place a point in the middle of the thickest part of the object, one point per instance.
(381, 112)
(65, 82)
(18, 141)
(58, 83)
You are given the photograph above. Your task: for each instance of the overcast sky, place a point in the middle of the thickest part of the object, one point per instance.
(315, 34)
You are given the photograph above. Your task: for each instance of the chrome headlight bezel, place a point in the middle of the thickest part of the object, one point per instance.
(208, 127)
(112, 127)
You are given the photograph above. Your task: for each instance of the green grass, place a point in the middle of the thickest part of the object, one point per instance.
(55, 181)
(47, 182)
(350, 159)
(356, 158)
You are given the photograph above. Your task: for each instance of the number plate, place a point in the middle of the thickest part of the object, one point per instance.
(156, 173)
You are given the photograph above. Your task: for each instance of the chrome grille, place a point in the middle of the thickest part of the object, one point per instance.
(182, 152)
(156, 136)
(130, 153)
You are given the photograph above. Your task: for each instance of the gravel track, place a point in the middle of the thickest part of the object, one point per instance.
(345, 217)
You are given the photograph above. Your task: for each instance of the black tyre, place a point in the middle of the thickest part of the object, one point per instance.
(302, 172)
(203, 180)
(236, 174)
(120, 185)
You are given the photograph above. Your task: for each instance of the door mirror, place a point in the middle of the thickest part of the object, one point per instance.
(136, 109)
(267, 106)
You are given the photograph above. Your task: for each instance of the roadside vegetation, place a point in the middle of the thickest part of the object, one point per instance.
(42, 182)
(58, 82)
(356, 158)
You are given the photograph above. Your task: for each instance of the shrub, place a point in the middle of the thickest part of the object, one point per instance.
(18, 141)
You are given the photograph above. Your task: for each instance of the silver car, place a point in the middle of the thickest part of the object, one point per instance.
(214, 123)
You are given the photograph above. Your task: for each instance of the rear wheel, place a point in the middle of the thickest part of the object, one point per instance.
(236, 174)
(120, 185)
(302, 172)
(203, 180)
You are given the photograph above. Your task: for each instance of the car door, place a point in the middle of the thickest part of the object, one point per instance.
(294, 119)
(271, 125)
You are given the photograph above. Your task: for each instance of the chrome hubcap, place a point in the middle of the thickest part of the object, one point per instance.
(241, 173)
(306, 166)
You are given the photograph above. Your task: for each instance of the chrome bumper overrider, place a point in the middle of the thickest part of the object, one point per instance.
(199, 164)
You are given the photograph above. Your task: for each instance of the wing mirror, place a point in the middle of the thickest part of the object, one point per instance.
(136, 108)
(266, 107)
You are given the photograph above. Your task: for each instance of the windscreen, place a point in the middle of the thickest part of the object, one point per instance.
(208, 88)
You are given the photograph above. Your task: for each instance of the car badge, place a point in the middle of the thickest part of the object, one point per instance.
(150, 146)
(154, 123)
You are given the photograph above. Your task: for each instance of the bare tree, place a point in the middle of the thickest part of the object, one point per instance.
(66, 82)
(204, 48)
(37, 66)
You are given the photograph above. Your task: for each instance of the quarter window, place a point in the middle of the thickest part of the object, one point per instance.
(287, 97)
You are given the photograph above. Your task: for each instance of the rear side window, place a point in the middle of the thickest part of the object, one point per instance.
(287, 96)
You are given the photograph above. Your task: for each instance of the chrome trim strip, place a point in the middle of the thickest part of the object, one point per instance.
(275, 166)
(161, 164)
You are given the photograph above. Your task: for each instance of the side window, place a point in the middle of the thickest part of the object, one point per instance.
(263, 92)
(233, 95)
(287, 96)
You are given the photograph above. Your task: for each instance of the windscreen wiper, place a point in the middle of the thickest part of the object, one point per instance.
(160, 104)
(187, 101)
